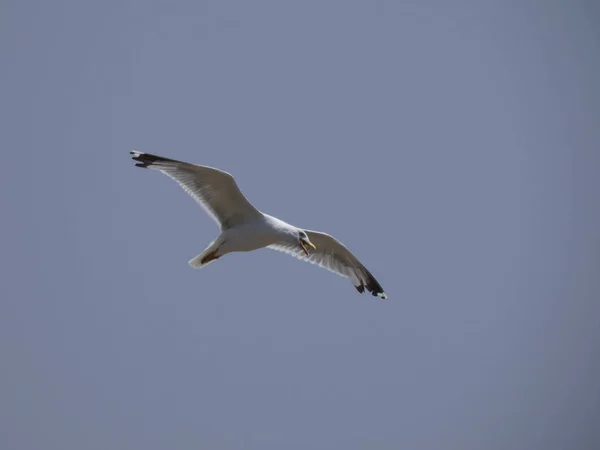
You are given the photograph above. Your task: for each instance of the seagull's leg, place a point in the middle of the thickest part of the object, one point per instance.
(210, 257)
(211, 253)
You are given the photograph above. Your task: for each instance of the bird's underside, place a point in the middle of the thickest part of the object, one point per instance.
(245, 228)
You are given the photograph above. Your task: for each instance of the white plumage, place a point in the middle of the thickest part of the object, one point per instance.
(245, 228)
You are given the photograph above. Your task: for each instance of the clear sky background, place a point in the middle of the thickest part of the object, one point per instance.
(453, 146)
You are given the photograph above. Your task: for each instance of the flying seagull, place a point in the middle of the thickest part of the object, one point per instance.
(245, 228)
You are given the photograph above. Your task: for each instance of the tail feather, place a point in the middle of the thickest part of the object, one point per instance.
(206, 257)
(201, 261)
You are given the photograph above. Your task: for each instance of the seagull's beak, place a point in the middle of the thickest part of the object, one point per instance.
(306, 243)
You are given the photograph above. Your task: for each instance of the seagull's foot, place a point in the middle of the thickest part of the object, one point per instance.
(210, 257)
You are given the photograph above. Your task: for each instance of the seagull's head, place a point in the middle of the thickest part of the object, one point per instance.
(305, 242)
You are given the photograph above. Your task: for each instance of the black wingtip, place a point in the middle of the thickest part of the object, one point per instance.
(374, 287)
(147, 159)
(143, 159)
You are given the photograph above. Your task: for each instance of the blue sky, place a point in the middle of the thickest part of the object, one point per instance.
(453, 146)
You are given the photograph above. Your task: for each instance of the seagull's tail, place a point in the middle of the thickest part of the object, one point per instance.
(206, 257)
(201, 261)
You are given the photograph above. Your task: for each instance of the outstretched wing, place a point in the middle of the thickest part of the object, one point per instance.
(216, 191)
(332, 255)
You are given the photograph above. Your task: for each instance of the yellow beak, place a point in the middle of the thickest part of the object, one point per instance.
(306, 243)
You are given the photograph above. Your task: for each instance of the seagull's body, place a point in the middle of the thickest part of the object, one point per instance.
(244, 228)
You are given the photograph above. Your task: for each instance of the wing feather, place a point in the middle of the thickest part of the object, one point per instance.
(216, 191)
(332, 255)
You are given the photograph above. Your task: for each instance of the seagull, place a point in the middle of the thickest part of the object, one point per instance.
(244, 228)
